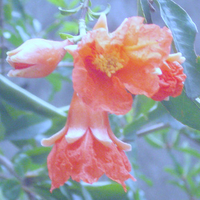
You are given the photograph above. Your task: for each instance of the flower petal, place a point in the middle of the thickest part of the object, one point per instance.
(100, 92)
(101, 23)
(139, 81)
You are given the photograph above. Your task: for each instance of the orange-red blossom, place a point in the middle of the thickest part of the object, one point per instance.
(109, 67)
(86, 148)
(172, 78)
(36, 58)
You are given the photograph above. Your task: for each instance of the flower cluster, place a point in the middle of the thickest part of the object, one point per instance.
(108, 69)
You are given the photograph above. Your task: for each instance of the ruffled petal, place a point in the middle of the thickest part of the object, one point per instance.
(171, 81)
(113, 162)
(100, 92)
(139, 81)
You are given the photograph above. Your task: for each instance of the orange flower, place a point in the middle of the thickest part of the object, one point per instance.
(86, 148)
(36, 58)
(106, 66)
(171, 79)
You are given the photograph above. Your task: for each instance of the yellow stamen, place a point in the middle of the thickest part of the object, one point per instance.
(108, 63)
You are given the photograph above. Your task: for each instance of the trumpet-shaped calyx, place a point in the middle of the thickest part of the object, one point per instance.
(172, 78)
(86, 148)
(36, 58)
(108, 67)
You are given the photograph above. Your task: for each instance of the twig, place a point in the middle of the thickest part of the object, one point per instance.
(177, 166)
(151, 129)
(9, 166)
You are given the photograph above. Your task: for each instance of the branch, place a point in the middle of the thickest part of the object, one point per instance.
(9, 166)
(151, 129)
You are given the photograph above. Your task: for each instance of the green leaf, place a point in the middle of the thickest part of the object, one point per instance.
(195, 170)
(154, 141)
(2, 129)
(70, 11)
(56, 82)
(60, 3)
(144, 10)
(65, 36)
(22, 164)
(11, 189)
(154, 114)
(25, 126)
(13, 38)
(184, 110)
(179, 183)
(190, 151)
(184, 32)
(106, 191)
(146, 180)
(97, 14)
(69, 27)
(7, 11)
(24, 100)
(39, 154)
(171, 172)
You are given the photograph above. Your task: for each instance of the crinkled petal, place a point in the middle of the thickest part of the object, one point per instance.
(100, 92)
(138, 81)
(87, 159)
(77, 160)
(113, 162)
(171, 81)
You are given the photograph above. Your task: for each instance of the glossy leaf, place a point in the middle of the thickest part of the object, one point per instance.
(22, 164)
(106, 191)
(184, 31)
(144, 10)
(24, 100)
(184, 110)
(14, 189)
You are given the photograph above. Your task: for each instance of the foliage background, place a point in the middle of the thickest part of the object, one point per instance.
(165, 154)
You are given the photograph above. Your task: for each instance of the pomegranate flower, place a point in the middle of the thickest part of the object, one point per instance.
(86, 148)
(172, 78)
(36, 58)
(109, 67)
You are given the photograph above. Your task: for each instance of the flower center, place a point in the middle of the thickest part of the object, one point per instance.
(108, 63)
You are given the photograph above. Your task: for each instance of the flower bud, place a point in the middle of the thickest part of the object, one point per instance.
(36, 58)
